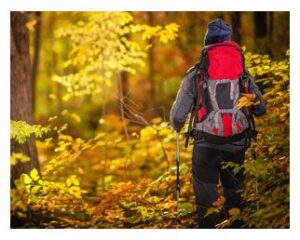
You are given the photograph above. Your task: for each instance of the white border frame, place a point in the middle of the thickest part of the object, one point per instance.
(146, 5)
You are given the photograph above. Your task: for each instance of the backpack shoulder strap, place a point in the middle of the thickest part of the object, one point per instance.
(244, 81)
(203, 62)
(203, 77)
(198, 67)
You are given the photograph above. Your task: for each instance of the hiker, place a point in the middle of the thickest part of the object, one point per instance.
(222, 132)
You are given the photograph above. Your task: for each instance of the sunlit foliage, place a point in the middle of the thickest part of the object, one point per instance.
(266, 192)
(77, 182)
(268, 206)
(103, 46)
(20, 131)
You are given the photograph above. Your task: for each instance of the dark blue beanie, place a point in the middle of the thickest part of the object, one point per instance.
(217, 31)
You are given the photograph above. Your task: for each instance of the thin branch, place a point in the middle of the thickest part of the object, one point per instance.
(121, 100)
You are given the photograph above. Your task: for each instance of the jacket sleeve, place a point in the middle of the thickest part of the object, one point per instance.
(185, 99)
(257, 110)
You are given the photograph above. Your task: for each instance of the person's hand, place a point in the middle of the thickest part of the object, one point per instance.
(247, 100)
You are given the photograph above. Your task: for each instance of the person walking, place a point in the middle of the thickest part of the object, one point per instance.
(222, 129)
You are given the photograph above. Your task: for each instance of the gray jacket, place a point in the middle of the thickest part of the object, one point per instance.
(186, 98)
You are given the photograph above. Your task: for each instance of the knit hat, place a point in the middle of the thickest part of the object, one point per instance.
(217, 31)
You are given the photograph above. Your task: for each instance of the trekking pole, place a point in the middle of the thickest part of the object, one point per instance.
(177, 167)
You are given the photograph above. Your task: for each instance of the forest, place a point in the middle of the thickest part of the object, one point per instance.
(91, 141)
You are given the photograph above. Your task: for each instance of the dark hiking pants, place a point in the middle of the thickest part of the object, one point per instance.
(206, 165)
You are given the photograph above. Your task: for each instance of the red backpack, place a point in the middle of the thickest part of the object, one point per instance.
(221, 80)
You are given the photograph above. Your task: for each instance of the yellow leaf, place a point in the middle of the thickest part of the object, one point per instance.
(34, 174)
(72, 181)
(26, 179)
(75, 191)
(147, 134)
(271, 149)
(257, 61)
(156, 120)
(247, 100)
(234, 211)
(76, 117)
(35, 189)
(15, 158)
(52, 96)
(31, 24)
(211, 210)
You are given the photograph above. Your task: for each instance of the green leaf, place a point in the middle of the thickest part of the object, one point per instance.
(185, 208)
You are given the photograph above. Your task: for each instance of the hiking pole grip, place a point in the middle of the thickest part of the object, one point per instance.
(188, 133)
(177, 166)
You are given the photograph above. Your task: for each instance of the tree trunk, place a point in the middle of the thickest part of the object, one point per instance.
(21, 91)
(260, 19)
(236, 26)
(36, 54)
(122, 102)
(270, 33)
